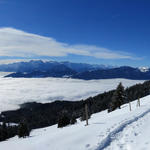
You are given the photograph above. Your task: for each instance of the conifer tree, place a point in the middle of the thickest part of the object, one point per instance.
(4, 133)
(118, 98)
(23, 130)
(63, 119)
(73, 120)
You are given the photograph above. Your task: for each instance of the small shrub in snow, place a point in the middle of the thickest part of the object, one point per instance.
(73, 120)
(63, 120)
(23, 130)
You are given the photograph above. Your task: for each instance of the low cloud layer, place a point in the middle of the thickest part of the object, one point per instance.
(15, 91)
(18, 43)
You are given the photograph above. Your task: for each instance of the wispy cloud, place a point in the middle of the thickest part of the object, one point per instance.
(18, 43)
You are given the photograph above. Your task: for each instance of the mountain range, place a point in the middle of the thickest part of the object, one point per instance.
(48, 66)
(39, 68)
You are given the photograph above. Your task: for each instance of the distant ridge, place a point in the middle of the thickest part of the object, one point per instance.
(48, 65)
(40, 69)
(120, 72)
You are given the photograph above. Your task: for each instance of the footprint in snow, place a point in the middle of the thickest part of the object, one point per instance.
(131, 141)
(147, 143)
(87, 145)
(135, 134)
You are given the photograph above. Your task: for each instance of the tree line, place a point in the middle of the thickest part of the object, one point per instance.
(8, 130)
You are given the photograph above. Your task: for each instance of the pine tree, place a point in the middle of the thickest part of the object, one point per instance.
(118, 98)
(63, 119)
(73, 120)
(23, 130)
(4, 133)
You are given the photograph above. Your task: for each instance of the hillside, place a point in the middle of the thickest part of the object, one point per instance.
(120, 129)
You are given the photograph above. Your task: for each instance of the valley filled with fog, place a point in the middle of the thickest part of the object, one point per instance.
(15, 91)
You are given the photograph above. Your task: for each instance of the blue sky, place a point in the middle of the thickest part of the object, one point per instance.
(115, 32)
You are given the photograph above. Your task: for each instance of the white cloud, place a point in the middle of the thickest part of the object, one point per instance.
(18, 43)
(15, 91)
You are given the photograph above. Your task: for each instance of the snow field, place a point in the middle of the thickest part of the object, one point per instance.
(118, 130)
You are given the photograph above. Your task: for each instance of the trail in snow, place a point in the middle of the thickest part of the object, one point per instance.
(133, 136)
(112, 136)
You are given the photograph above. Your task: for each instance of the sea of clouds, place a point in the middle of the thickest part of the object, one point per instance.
(15, 91)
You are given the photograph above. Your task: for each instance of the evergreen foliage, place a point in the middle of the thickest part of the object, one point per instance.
(7, 131)
(118, 98)
(23, 130)
(73, 120)
(63, 120)
(4, 132)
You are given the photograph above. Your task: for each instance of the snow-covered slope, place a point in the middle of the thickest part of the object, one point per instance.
(119, 130)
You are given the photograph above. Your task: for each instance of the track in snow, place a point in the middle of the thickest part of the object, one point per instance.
(115, 135)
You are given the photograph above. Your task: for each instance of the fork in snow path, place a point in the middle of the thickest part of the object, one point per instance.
(131, 134)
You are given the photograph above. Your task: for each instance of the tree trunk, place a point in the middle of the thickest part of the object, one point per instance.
(139, 101)
(130, 105)
(86, 113)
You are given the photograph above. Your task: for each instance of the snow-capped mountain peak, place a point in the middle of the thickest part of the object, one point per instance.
(144, 69)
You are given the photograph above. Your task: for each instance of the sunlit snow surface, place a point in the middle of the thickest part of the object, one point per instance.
(121, 129)
(15, 91)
